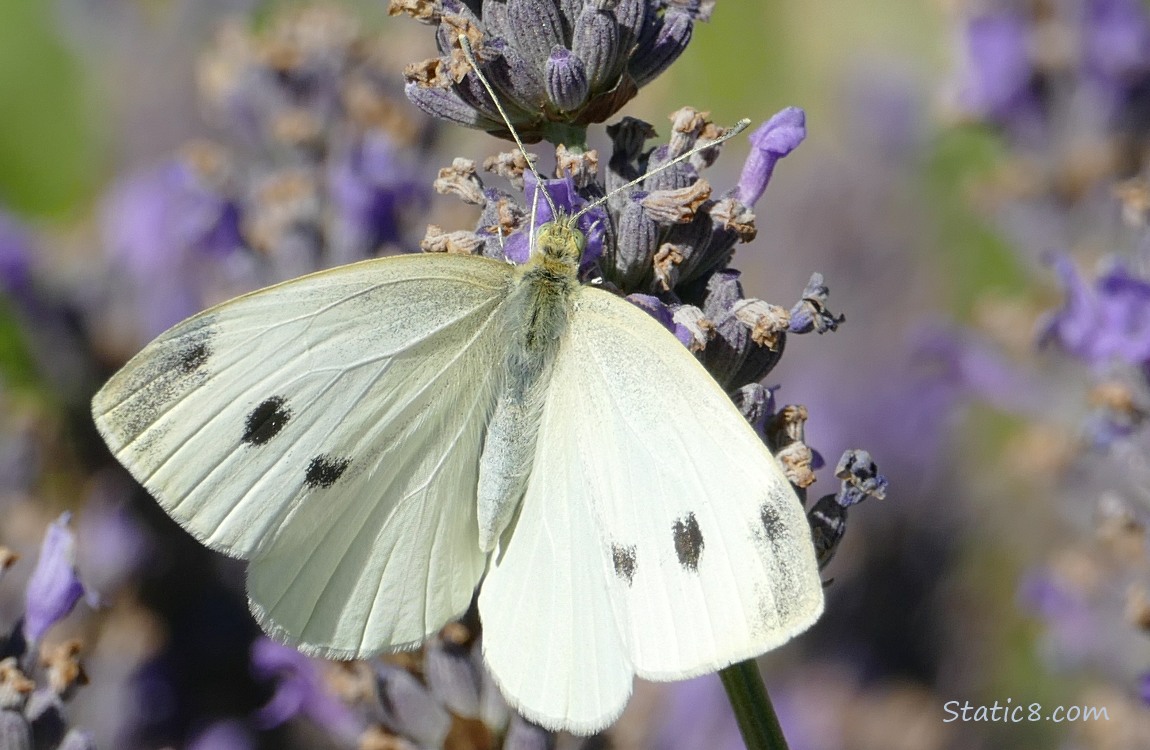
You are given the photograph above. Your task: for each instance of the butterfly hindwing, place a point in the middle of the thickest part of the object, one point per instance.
(674, 525)
(329, 429)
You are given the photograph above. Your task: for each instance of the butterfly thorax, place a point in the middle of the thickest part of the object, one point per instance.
(537, 311)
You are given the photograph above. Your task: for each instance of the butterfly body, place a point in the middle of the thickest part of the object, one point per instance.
(380, 438)
(540, 300)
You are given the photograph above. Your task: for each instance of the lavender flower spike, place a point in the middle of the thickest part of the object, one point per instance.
(776, 138)
(54, 587)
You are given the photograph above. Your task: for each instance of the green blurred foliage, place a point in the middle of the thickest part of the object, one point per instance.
(48, 153)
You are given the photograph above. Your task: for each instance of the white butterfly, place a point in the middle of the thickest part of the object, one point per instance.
(378, 437)
(382, 438)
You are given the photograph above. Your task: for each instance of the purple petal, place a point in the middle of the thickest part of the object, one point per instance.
(54, 588)
(1108, 322)
(568, 201)
(113, 546)
(773, 140)
(998, 65)
(300, 690)
(370, 186)
(158, 225)
(1116, 38)
(658, 310)
(15, 257)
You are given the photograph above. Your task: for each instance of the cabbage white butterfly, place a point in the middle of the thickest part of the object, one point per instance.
(381, 439)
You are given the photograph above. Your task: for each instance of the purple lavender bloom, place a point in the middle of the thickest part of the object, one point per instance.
(223, 735)
(112, 545)
(159, 225)
(773, 140)
(1144, 688)
(661, 312)
(556, 65)
(54, 587)
(1076, 627)
(697, 714)
(1105, 323)
(15, 244)
(1116, 39)
(562, 191)
(300, 690)
(370, 186)
(999, 70)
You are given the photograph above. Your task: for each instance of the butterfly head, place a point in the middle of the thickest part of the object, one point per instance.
(561, 241)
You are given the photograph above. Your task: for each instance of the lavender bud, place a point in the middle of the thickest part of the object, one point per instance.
(628, 137)
(596, 42)
(54, 587)
(828, 522)
(635, 247)
(810, 313)
(567, 84)
(447, 104)
(860, 478)
(755, 401)
(671, 39)
(535, 27)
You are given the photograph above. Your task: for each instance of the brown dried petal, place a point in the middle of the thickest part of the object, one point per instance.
(677, 206)
(461, 179)
(456, 243)
(687, 124)
(766, 321)
(425, 11)
(700, 328)
(14, 685)
(786, 426)
(796, 460)
(63, 665)
(510, 165)
(667, 260)
(582, 167)
(735, 216)
(428, 73)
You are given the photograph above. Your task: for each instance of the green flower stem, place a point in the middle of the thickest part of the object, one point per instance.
(574, 137)
(748, 696)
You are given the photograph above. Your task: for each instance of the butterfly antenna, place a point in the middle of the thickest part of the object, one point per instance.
(737, 128)
(465, 45)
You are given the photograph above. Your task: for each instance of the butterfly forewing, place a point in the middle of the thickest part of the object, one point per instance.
(329, 428)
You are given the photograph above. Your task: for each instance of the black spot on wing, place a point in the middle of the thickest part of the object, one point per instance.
(624, 559)
(266, 420)
(193, 356)
(772, 521)
(688, 541)
(167, 371)
(324, 471)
